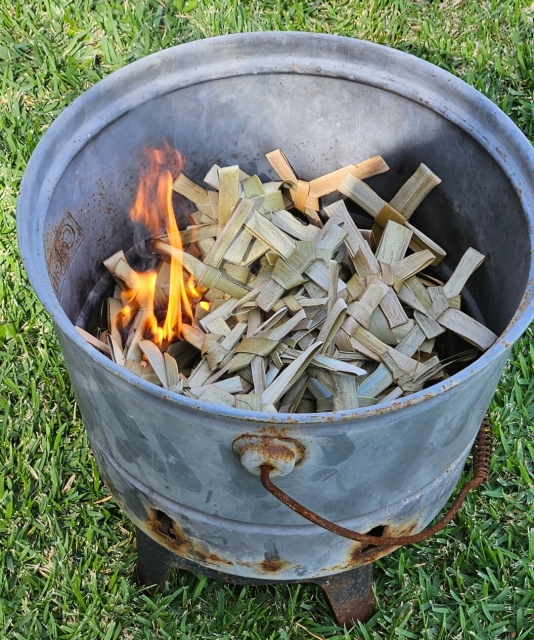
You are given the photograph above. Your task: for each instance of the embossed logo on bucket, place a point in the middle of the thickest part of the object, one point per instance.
(67, 239)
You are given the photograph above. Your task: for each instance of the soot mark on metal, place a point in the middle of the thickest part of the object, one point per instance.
(337, 449)
(187, 478)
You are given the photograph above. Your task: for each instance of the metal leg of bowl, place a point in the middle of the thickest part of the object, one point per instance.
(350, 594)
(154, 561)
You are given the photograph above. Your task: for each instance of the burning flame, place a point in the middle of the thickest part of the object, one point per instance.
(153, 208)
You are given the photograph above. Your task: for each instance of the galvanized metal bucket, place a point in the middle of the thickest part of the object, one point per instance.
(170, 461)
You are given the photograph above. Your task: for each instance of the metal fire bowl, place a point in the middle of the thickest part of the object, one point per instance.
(327, 101)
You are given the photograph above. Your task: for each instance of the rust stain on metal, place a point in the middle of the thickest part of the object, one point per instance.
(213, 557)
(273, 447)
(405, 402)
(361, 554)
(271, 565)
(364, 554)
(274, 566)
(276, 431)
(169, 534)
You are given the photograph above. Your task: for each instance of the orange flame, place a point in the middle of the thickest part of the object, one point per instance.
(153, 208)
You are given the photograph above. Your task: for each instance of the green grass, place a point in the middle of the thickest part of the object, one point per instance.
(67, 560)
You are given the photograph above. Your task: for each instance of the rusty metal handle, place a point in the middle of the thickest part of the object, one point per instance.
(481, 463)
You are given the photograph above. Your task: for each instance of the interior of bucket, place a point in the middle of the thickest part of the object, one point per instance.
(321, 124)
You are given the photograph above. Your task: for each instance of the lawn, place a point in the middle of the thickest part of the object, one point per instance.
(67, 559)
